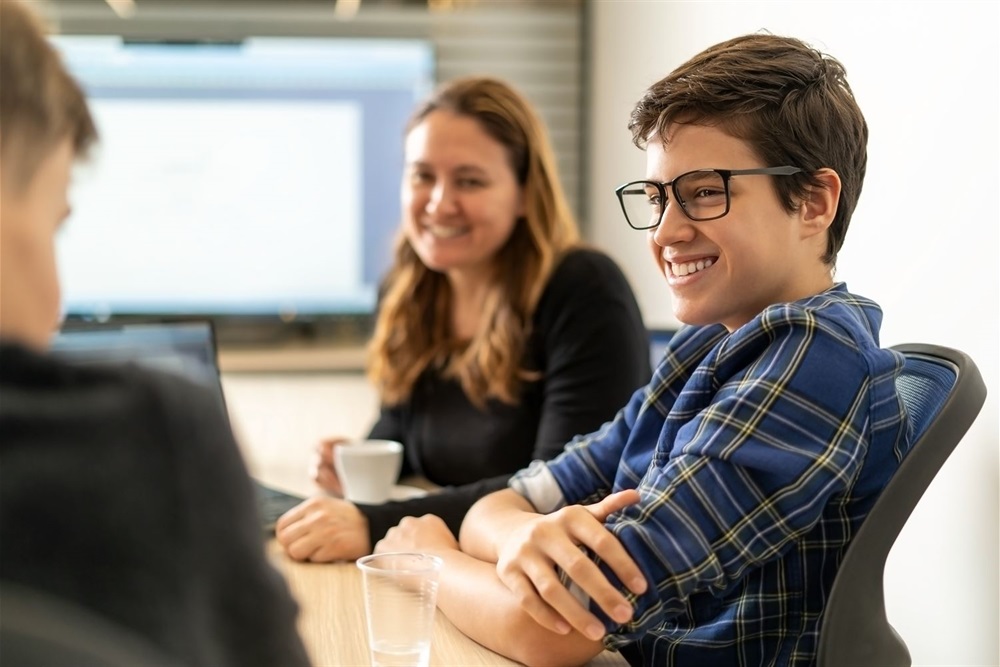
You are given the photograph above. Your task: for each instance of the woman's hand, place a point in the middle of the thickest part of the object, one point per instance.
(322, 470)
(528, 559)
(426, 534)
(324, 529)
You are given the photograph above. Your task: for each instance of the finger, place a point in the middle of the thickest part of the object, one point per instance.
(293, 532)
(308, 526)
(305, 515)
(327, 445)
(327, 480)
(533, 577)
(579, 567)
(554, 598)
(387, 544)
(291, 516)
(302, 549)
(605, 545)
(323, 474)
(613, 503)
(530, 601)
(326, 553)
(324, 450)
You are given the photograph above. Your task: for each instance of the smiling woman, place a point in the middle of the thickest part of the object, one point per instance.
(461, 197)
(498, 336)
(485, 222)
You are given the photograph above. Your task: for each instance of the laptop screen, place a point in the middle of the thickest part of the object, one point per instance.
(185, 348)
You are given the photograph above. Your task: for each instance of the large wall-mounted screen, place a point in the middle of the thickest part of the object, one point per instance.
(256, 178)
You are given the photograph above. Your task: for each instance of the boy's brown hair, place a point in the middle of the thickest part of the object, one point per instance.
(791, 103)
(40, 103)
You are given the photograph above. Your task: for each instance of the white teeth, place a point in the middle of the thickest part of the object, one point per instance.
(690, 267)
(445, 232)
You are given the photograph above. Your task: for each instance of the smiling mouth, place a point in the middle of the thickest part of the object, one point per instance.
(687, 268)
(440, 232)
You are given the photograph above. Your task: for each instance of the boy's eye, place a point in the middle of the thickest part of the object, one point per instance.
(653, 199)
(417, 177)
(469, 183)
(708, 193)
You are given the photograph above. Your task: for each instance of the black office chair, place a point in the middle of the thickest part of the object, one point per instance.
(41, 630)
(943, 392)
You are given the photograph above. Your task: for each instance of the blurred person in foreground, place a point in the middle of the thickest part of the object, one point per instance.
(121, 491)
(705, 524)
(499, 336)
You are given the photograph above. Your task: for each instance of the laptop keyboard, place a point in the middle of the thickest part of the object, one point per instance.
(271, 504)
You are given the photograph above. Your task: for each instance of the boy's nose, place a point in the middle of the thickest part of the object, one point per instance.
(674, 227)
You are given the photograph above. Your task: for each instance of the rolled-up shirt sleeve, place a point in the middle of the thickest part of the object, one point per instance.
(589, 464)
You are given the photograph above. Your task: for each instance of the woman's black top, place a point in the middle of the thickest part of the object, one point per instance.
(591, 347)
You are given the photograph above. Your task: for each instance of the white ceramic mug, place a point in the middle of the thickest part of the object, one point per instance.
(368, 469)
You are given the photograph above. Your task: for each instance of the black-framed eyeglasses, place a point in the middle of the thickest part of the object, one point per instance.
(703, 195)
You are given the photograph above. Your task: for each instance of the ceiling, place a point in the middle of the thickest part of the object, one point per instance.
(433, 4)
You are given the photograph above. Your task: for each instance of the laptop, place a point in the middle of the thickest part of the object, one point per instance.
(184, 348)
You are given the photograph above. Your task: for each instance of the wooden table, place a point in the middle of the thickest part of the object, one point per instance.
(279, 418)
(332, 619)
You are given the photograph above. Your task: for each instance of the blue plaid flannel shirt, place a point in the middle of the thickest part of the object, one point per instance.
(756, 454)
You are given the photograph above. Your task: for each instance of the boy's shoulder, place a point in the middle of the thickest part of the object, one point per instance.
(837, 316)
(836, 311)
(835, 331)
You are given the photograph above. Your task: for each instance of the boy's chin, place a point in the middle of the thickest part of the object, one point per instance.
(692, 316)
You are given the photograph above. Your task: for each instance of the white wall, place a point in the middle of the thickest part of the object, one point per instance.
(923, 241)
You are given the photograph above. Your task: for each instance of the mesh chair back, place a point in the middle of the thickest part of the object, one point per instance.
(943, 393)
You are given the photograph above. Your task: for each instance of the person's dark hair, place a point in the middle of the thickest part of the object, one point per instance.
(790, 102)
(40, 103)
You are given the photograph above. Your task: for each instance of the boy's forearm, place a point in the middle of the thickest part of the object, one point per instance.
(490, 520)
(502, 625)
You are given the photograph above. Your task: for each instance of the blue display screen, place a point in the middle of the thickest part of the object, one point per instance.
(258, 178)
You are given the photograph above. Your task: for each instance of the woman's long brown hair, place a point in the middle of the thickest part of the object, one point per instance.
(413, 332)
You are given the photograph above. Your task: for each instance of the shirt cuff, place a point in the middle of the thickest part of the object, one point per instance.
(539, 487)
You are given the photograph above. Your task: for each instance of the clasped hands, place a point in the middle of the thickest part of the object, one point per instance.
(531, 552)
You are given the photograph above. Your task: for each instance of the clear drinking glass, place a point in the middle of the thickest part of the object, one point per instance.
(400, 602)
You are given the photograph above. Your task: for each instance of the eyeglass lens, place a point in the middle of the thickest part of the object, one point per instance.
(702, 194)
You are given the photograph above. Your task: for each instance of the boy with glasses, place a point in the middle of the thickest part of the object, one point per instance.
(704, 525)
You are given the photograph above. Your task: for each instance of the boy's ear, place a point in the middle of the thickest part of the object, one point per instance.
(820, 203)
